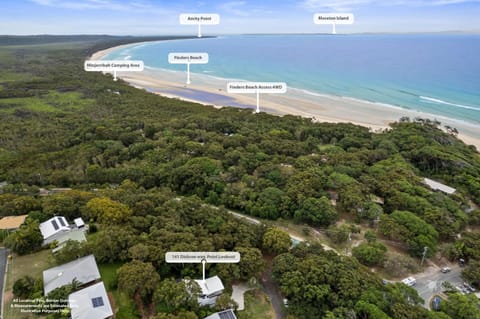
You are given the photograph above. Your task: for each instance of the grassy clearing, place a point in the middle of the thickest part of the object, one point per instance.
(122, 304)
(257, 306)
(69, 101)
(19, 266)
(51, 103)
(26, 103)
(13, 77)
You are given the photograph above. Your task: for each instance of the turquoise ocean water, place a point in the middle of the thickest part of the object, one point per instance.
(437, 74)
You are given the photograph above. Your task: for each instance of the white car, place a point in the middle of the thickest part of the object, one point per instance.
(409, 281)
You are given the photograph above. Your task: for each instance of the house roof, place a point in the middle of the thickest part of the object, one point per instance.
(437, 186)
(210, 285)
(53, 226)
(90, 303)
(12, 222)
(62, 238)
(226, 314)
(84, 270)
(79, 222)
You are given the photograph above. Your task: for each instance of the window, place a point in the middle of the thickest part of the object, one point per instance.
(62, 222)
(97, 302)
(55, 225)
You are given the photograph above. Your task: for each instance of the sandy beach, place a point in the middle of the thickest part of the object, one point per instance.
(210, 90)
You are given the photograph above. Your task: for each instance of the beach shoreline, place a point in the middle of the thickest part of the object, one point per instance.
(208, 90)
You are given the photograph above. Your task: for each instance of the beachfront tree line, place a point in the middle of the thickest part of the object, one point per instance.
(65, 127)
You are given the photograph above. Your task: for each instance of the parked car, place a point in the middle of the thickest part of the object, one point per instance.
(409, 281)
(445, 270)
(436, 303)
(469, 287)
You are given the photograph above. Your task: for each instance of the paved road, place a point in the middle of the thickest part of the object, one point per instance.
(294, 238)
(430, 281)
(3, 265)
(247, 218)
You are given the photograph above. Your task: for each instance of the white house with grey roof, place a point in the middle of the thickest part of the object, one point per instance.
(226, 314)
(52, 227)
(90, 303)
(210, 288)
(84, 270)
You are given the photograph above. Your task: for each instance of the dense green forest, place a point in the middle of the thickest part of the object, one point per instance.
(144, 166)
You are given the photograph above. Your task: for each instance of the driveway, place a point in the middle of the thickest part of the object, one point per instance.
(430, 281)
(270, 288)
(238, 292)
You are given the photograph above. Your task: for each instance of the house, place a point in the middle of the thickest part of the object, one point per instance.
(90, 303)
(210, 288)
(226, 314)
(52, 227)
(62, 238)
(84, 270)
(436, 186)
(12, 222)
(58, 230)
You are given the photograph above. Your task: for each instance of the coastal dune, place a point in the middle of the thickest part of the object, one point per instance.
(210, 90)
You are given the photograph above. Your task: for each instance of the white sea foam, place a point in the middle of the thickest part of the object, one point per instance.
(344, 98)
(412, 111)
(433, 100)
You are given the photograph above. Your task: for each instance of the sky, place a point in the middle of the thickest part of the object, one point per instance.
(155, 17)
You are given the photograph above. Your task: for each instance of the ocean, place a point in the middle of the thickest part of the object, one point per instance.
(433, 73)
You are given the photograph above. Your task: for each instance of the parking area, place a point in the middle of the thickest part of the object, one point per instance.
(430, 282)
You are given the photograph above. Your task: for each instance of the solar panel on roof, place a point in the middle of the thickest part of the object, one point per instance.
(97, 302)
(62, 222)
(55, 225)
(228, 314)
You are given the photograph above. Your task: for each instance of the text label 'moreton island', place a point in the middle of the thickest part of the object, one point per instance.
(333, 18)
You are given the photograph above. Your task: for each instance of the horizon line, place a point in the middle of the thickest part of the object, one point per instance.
(249, 33)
